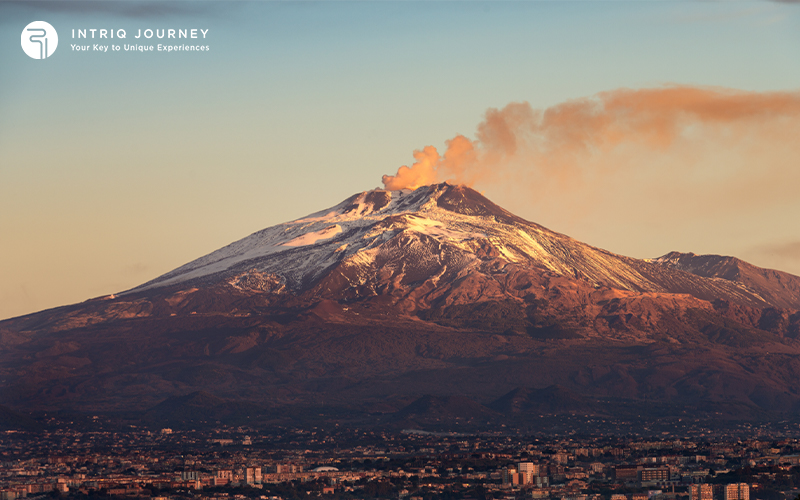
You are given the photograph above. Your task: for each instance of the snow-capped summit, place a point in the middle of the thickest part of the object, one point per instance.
(384, 242)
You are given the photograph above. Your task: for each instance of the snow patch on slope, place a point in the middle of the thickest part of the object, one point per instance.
(313, 237)
(438, 230)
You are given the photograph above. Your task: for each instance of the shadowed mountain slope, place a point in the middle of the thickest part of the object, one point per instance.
(394, 295)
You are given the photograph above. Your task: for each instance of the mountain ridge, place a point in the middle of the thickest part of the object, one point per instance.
(401, 295)
(345, 234)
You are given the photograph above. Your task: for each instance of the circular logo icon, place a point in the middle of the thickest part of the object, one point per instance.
(39, 40)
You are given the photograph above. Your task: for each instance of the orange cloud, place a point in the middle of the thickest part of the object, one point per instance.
(572, 141)
(421, 173)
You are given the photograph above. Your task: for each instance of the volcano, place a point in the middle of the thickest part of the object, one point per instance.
(437, 293)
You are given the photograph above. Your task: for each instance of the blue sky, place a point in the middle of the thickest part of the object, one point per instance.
(117, 167)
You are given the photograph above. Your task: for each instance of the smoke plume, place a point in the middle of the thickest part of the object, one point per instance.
(578, 141)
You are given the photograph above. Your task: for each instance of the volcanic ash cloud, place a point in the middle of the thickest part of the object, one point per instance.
(576, 141)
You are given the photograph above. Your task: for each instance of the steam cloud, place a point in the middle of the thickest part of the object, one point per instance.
(579, 140)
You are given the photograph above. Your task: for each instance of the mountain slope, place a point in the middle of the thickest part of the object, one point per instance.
(365, 245)
(776, 288)
(395, 295)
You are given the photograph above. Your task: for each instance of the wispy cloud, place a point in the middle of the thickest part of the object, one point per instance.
(136, 269)
(790, 250)
(779, 255)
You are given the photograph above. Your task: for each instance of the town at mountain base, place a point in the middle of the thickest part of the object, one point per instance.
(426, 308)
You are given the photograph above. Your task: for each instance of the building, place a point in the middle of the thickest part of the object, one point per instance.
(510, 476)
(288, 468)
(737, 491)
(524, 473)
(701, 492)
(654, 474)
(527, 471)
(223, 477)
(626, 473)
(252, 475)
(560, 458)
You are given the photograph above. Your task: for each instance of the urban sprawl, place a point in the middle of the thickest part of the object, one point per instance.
(237, 463)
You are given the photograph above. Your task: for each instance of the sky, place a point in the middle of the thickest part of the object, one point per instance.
(119, 166)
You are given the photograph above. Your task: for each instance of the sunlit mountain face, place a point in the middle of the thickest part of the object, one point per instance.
(394, 306)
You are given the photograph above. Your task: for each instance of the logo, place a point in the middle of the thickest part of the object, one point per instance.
(39, 40)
